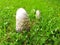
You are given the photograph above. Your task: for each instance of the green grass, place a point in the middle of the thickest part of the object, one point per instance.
(45, 31)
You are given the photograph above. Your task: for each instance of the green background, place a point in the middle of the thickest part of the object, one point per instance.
(45, 31)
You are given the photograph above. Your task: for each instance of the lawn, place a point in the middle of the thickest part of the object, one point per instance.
(45, 31)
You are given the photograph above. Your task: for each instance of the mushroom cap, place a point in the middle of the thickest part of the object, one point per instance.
(37, 14)
(22, 21)
(21, 13)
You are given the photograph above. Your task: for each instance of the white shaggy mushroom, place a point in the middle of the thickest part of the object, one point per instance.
(22, 21)
(37, 14)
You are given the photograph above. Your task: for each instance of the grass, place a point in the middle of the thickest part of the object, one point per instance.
(45, 31)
